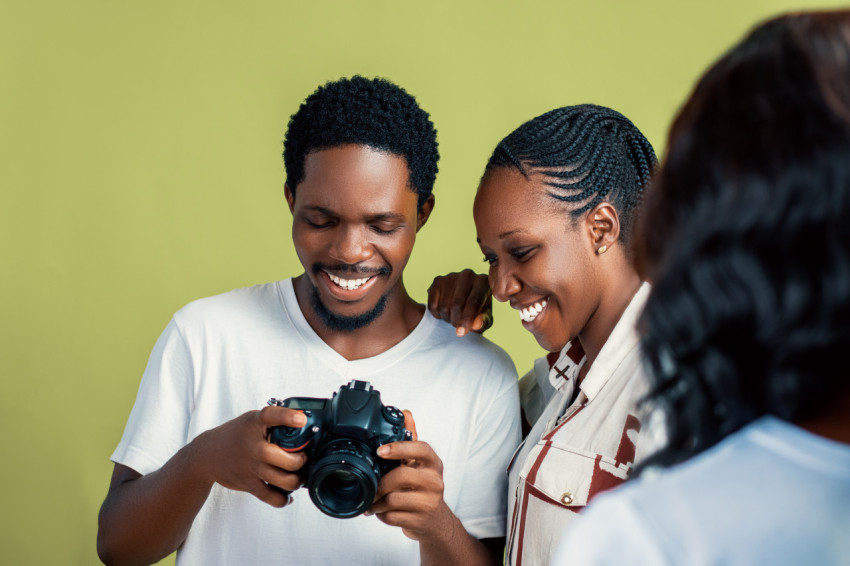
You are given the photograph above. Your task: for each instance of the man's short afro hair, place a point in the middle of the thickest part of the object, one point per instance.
(373, 112)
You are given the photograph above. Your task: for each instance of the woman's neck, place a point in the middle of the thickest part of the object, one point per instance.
(611, 309)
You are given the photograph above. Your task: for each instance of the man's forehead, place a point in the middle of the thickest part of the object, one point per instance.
(356, 176)
(347, 158)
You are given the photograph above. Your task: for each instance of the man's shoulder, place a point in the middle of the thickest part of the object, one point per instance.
(473, 347)
(256, 300)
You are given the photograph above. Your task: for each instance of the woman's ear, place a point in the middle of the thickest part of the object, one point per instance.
(603, 226)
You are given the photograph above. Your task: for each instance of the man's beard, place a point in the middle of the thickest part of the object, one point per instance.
(340, 323)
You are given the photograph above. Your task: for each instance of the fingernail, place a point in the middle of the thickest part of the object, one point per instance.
(461, 331)
(368, 513)
(383, 451)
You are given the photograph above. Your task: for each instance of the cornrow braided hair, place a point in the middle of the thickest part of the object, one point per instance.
(589, 154)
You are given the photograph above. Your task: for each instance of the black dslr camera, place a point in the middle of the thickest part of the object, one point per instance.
(340, 439)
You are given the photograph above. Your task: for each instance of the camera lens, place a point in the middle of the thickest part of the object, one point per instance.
(343, 481)
(342, 485)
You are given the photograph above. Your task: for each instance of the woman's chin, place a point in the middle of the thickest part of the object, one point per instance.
(550, 343)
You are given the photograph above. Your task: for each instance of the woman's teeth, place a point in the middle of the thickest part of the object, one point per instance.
(530, 313)
(348, 284)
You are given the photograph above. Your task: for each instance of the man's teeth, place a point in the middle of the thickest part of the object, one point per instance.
(530, 313)
(348, 284)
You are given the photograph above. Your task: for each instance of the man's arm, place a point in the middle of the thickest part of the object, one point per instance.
(411, 497)
(145, 518)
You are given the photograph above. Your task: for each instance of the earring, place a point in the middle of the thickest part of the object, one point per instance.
(601, 250)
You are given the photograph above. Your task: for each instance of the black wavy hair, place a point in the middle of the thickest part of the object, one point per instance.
(373, 112)
(746, 238)
(589, 154)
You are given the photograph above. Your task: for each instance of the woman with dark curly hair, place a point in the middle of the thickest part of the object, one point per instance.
(747, 327)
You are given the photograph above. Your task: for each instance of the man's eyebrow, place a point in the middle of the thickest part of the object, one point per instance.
(379, 217)
(320, 210)
(391, 216)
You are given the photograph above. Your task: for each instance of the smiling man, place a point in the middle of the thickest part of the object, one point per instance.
(195, 472)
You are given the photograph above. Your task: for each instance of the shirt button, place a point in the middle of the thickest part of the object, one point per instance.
(566, 498)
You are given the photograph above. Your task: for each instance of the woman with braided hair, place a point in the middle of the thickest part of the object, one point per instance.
(554, 214)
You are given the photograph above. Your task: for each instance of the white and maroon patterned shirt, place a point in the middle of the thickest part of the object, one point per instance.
(584, 440)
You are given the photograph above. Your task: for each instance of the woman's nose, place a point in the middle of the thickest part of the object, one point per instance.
(503, 283)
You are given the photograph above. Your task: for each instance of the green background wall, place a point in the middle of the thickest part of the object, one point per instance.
(140, 169)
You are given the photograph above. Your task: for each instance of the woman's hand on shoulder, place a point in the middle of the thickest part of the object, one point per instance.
(463, 299)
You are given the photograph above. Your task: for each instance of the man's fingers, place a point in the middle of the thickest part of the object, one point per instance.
(410, 424)
(281, 416)
(408, 510)
(276, 456)
(280, 478)
(268, 494)
(412, 454)
(408, 480)
(405, 450)
(398, 500)
(400, 519)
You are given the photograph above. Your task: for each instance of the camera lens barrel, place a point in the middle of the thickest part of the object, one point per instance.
(343, 480)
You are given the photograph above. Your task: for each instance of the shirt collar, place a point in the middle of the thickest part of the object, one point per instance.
(623, 339)
(565, 365)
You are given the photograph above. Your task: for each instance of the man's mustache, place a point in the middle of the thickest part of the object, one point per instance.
(353, 269)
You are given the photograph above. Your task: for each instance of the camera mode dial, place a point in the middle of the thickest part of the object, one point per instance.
(393, 415)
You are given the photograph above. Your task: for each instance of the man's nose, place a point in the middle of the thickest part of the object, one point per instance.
(351, 245)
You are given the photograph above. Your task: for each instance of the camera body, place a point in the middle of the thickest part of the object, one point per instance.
(340, 439)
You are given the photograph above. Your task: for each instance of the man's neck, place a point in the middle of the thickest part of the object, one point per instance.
(400, 316)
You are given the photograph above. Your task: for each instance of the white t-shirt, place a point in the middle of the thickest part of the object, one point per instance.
(584, 441)
(772, 493)
(222, 356)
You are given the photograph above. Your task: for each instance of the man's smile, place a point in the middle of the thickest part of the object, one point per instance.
(353, 286)
(348, 284)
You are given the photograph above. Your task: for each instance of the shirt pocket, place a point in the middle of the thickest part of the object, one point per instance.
(567, 477)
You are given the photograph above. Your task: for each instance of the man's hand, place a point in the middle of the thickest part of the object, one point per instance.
(145, 518)
(241, 457)
(411, 495)
(462, 299)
